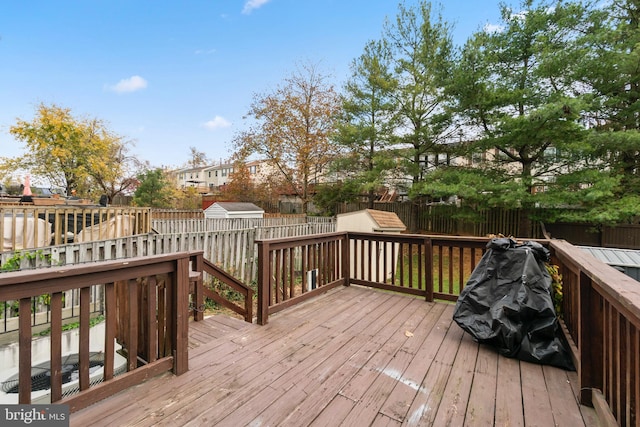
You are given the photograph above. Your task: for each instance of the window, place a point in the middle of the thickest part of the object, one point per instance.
(477, 158)
(550, 153)
(253, 169)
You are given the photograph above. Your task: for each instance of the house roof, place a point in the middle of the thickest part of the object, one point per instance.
(615, 257)
(218, 166)
(239, 207)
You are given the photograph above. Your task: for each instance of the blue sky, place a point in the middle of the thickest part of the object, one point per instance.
(169, 75)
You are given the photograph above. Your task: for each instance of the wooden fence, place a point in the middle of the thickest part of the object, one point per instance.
(625, 236)
(27, 227)
(234, 251)
(441, 219)
(177, 213)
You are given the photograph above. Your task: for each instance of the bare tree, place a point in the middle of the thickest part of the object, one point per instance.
(292, 130)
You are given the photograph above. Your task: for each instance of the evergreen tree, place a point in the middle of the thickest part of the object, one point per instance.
(515, 97)
(154, 191)
(609, 73)
(365, 129)
(421, 52)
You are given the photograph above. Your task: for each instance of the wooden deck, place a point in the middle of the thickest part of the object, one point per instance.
(352, 357)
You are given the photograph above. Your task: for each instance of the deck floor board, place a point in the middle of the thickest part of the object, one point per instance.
(353, 357)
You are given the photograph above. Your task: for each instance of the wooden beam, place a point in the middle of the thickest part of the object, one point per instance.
(591, 318)
(605, 416)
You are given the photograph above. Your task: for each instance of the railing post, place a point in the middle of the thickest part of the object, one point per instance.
(132, 316)
(83, 350)
(264, 281)
(196, 273)
(24, 363)
(248, 307)
(590, 324)
(55, 350)
(181, 317)
(428, 269)
(346, 259)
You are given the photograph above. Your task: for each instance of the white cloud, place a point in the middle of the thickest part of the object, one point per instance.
(493, 28)
(520, 16)
(205, 52)
(253, 4)
(131, 84)
(217, 123)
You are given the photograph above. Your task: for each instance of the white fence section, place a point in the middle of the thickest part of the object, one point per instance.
(190, 225)
(233, 250)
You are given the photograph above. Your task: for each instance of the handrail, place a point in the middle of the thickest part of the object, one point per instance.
(422, 265)
(431, 266)
(601, 311)
(202, 264)
(291, 270)
(146, 312)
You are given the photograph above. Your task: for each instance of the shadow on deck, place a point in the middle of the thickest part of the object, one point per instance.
(353, 357)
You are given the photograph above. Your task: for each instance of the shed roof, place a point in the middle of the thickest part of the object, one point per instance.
(239, 207)
(386, 219)
(613, 256)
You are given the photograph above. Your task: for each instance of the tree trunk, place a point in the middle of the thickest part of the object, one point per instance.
(415, 215)
(371, 199)
(524, 226)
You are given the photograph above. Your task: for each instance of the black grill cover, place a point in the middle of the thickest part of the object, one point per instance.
(507, 304)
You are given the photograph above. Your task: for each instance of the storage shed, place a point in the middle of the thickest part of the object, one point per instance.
(625, 260)
(233, 210)
(370, 221)
(373, 221)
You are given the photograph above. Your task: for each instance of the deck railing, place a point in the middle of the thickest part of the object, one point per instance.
(147, 303)
(600, 314)
(202, 289)
(41, 309)
(423, 265)
(293, 269)
(146, 313)
(601, 311)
